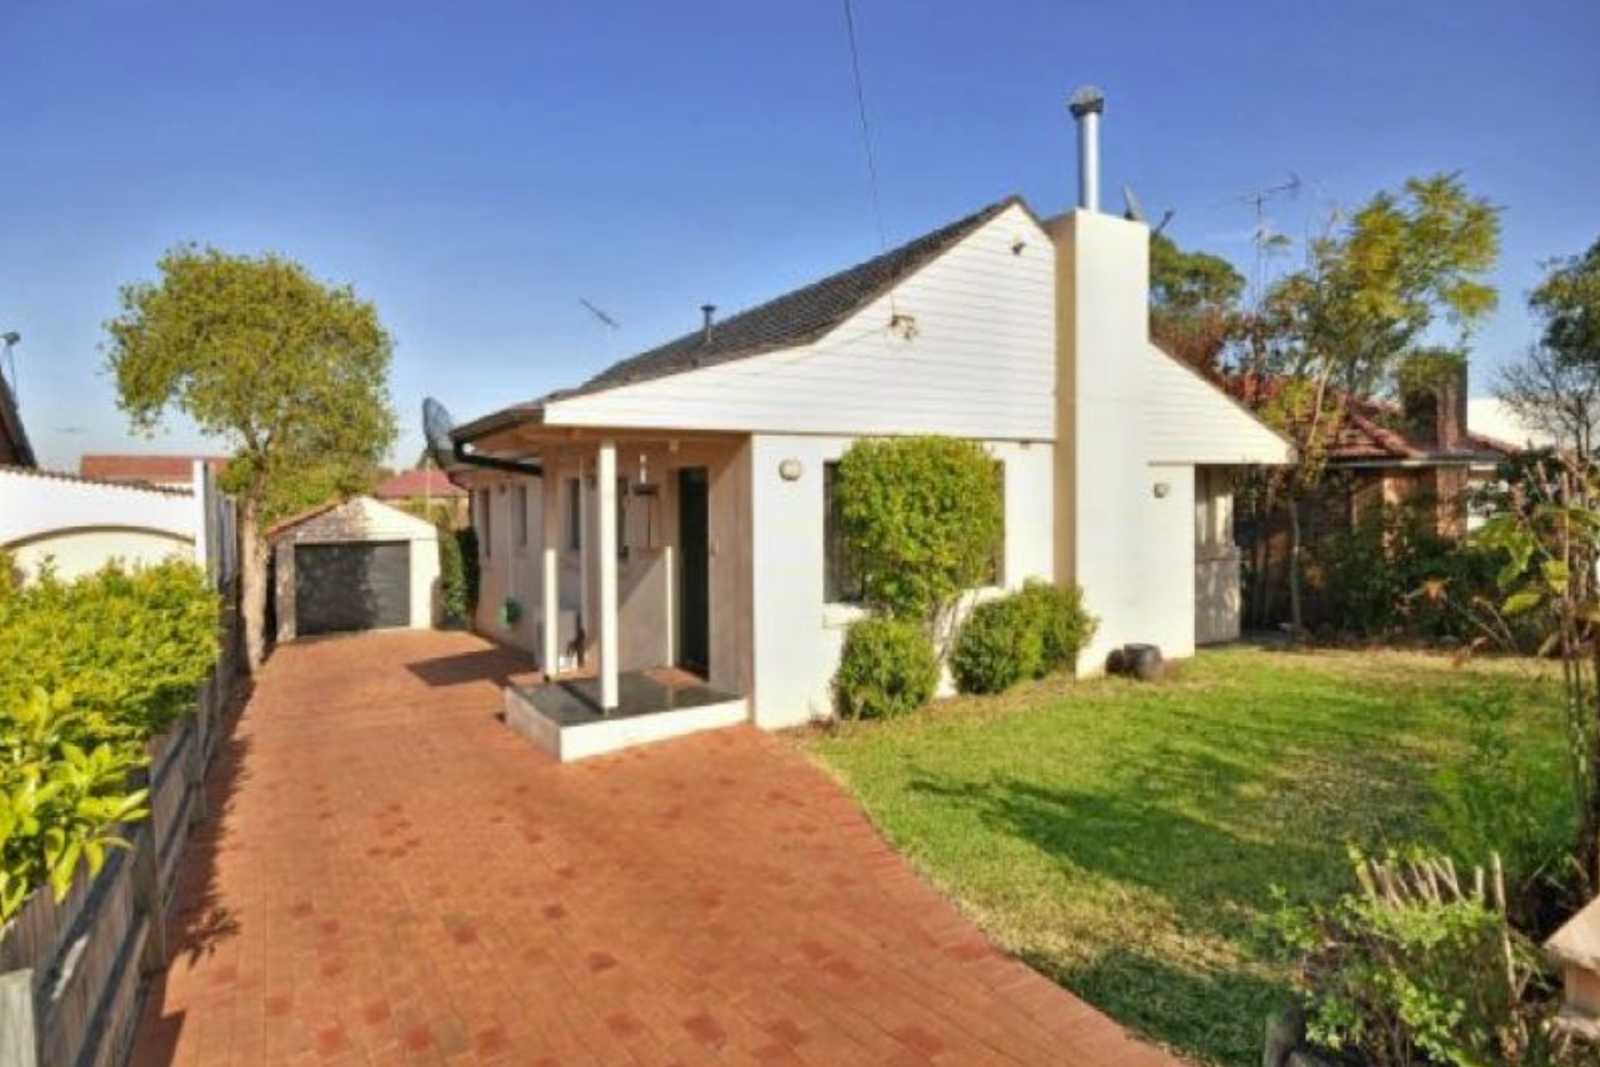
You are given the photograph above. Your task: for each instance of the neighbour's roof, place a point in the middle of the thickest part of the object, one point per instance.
(155, 469)
(1374, 431)
(797, 318)
(14, 446)
(418, 483)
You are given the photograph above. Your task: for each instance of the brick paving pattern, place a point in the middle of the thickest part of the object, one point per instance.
(390, 876)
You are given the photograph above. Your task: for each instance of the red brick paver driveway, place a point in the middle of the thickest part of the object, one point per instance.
(391, 876)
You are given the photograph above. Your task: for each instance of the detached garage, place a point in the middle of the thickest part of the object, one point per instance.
(355, 565)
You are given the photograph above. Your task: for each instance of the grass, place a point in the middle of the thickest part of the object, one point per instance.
(1126, 840)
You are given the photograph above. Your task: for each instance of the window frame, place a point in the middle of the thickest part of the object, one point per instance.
(572, 528)
(519, 520)
(486, 522)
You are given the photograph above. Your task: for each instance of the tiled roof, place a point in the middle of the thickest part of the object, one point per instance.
(1374, 430)
(418, 483)
(1370, 431)
(156, 469)
(794, 319)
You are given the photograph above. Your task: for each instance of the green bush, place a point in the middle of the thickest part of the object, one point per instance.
(453, 578)
(1394, 575)
(1420, 965)
(887, 668)
(922, 518)
(126, 647)
(1001, 643)
(90, 670)
(1067, 626)
(60, 803)
(467, 539)
(1027, 634)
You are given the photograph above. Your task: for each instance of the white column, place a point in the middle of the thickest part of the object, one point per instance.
(606, 544)
(550, 562)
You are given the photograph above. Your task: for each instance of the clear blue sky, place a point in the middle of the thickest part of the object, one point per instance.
(476, 168)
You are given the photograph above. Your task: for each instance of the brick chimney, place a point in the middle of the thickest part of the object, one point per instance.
(1437, 412)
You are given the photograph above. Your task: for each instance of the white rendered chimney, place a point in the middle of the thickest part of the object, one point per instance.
(1086, 105)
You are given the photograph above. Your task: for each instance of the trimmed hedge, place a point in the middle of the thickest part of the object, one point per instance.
(1027, 634)
(887, 668)
(90, 670)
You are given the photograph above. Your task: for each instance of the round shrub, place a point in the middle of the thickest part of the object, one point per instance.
(1066, 626)
(887, 668)
(1027, 634)
(1001, 643)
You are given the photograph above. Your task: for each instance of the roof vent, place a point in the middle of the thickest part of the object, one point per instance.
(710, 313)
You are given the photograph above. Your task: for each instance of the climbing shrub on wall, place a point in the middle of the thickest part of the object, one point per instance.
(922, 521)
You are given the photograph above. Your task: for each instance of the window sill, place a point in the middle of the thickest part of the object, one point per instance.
(839, 616)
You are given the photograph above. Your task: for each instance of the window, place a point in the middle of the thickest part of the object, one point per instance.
(622, 518)
(485, 523)
(574, 515)
(997, 569)
(839, 585)
(519, 517)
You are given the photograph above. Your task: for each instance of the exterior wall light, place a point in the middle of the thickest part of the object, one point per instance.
(1161, 490)
(790, 470)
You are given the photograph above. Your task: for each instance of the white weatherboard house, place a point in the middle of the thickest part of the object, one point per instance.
(678, 534)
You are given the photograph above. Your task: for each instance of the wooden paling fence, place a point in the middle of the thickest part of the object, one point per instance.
(72, 973)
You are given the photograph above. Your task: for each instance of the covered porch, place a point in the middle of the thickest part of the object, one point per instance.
(629, 556)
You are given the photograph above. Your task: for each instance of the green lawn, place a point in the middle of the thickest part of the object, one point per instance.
(1125, 839)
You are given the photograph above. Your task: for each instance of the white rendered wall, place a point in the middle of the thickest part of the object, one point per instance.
(1103, 484)
(77, 552)
(797, 634)
(84, 524)
(1165, 586)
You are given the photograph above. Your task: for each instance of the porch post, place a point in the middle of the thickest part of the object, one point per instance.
(607, 477)
(550, 560)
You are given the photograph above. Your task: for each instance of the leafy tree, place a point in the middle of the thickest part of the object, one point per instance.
(1371, 296)
(1556, 388)
(291, 372)
(1194, 298)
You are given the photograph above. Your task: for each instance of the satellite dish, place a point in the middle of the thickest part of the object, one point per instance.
(436, 427)
(1132, 210)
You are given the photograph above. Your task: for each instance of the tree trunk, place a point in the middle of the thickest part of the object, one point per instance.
(252, 584)
(1296, 608)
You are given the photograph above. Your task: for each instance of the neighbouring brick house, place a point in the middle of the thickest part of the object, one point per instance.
(423, 492)
(1419, 453)
(164, 471)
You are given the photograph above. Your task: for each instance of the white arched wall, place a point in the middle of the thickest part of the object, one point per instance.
(73, 552)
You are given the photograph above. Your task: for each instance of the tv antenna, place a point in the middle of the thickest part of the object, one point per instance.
(600, 316)
(1263, 236)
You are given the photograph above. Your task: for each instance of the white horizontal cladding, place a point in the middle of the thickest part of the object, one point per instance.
(972, 355)
(1189, 420)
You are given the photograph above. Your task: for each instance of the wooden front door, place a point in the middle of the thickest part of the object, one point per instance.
(694, 570)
